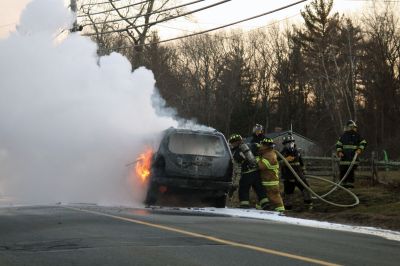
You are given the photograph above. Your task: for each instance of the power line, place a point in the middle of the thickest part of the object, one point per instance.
(376, 1)
(275, 22)
(240, 33)
(146, 14)
(169, 27)
(118, 8)
(162, 20)
(101, 3)
(216, 28)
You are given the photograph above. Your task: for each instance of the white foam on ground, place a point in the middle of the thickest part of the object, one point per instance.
(274, 216)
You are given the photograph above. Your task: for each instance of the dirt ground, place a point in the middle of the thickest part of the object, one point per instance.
(379, 205)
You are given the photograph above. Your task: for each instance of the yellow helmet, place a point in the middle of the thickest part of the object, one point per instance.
(268, 142)
(234, 138)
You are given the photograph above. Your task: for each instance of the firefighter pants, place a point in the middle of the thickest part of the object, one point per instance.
(289, 187)
(290, 182)
(253, 180)
(350, 176)
(273, 193)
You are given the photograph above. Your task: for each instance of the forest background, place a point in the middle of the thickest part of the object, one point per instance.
(313, 76)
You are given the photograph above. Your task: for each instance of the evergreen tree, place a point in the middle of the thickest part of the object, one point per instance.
(319, 42)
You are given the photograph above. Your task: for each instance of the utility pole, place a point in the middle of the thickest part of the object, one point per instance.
(266, 115)
(74, 8)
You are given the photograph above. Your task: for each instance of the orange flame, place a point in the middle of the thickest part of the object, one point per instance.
(143, 164)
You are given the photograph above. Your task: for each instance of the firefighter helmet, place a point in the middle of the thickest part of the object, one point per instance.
(268, 142)
(287, 139)
(234, 138)
(351, 123)
(258, 129)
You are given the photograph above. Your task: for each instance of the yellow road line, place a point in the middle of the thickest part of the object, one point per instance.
(211, 238)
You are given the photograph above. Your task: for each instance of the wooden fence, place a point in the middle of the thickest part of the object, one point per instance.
(376, 170)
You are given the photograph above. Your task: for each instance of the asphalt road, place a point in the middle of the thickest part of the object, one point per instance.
(92, 235)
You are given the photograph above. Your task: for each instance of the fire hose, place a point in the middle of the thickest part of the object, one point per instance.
(343, 178)
(131, 163)
(336, 185)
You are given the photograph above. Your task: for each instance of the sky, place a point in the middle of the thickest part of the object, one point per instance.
(237, 10)
(234, 10)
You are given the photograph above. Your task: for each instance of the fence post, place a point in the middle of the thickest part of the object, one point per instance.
(334, 169)
(374, 173)
(386, 159)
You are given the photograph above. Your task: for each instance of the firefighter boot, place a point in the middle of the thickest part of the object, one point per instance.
(264, 204)
(307, 199)
(245, 204)
(288, 199)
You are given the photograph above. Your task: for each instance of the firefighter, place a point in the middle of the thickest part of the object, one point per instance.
(250, 176)
(293, 156)
(269, 171)
(347, 146)
(258, 134)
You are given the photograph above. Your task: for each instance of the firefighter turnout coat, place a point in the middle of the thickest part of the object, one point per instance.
(348, 143)
(269, 170)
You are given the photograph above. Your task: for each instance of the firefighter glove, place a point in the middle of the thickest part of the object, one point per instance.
(358, 151)
(289, 158)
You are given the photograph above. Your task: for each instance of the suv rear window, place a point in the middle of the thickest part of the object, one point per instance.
(195, 144)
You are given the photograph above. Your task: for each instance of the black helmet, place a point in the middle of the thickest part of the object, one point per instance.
(258, 127)
(234, 138)
(287, 139)
(351, 123)
(268, 142)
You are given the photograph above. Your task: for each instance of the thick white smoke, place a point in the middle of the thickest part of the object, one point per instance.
(69, 121)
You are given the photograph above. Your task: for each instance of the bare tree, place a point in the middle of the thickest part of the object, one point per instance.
(262, 49)
(200, 61)
(380, 76)
(125, 24)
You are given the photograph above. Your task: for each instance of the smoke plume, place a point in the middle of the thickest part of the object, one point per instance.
(70, 121)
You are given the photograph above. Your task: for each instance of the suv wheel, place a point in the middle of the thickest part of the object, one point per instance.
(220, 202)
(152, 195)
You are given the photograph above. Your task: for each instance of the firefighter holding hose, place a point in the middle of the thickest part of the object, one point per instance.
(293, 156)
(269, 171)
(250, 176)
(349, 144)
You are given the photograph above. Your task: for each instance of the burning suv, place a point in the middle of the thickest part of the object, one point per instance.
(190, 165)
